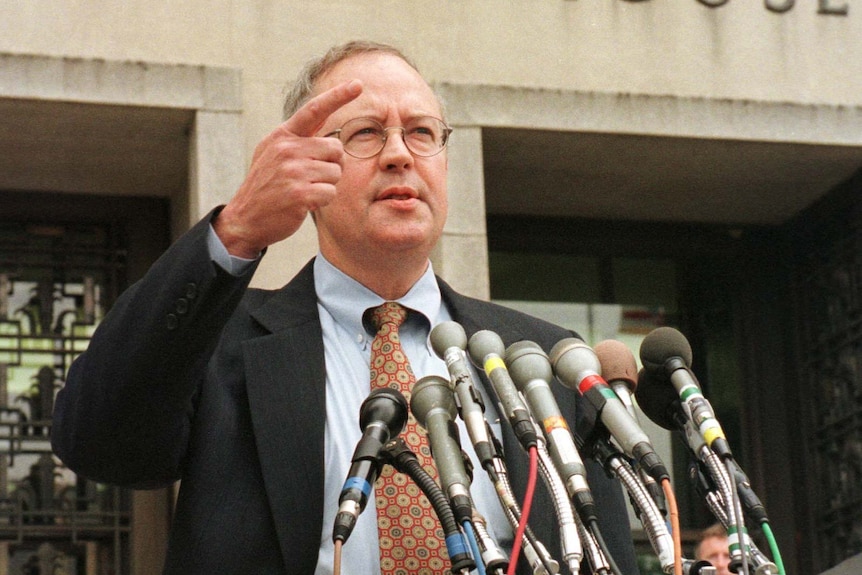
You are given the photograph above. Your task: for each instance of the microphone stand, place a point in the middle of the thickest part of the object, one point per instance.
(722, 499)
(494, 559)
(536, 554)
(648, 512)
(572, 532)
(716, 502)
(576, 539)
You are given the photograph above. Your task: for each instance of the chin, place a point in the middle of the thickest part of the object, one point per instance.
(407, 242)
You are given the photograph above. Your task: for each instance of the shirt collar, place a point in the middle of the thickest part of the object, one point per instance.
(346, 299)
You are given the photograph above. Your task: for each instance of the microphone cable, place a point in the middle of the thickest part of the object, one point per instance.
(585, 539)
(525, 510)
(723, 498)
(673, 512)
(486, 350)
(738, 536)
(716, 503)
(336, 559)
(397, 454)
(594, 554)
(593, 528)
(773, 546)
(752, 505)
(471, 538)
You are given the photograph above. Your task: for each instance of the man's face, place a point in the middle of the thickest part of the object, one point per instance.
(714, 550)
(393, 203)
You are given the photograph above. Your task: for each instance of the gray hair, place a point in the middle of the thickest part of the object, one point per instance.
(304, 87)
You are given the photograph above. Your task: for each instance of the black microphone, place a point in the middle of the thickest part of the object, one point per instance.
(577, 367)
(666, 356)
(382, 416)
(532, 373)
(433, 406)
(486, 350)
(659, 401)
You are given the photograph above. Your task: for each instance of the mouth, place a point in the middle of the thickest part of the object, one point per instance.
(398, 194)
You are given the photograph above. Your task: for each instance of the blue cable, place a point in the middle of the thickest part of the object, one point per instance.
(471, 538)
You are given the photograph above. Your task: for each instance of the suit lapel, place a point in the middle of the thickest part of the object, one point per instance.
(286, 383)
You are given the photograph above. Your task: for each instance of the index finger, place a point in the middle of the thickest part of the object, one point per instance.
(308, 118)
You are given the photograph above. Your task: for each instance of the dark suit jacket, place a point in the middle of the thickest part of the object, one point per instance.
(193, 376)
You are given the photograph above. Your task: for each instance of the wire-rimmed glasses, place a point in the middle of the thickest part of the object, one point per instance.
(365, 137)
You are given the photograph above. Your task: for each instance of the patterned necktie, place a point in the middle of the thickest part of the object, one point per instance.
(411, 538)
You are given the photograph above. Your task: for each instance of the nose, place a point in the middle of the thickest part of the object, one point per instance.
(395, 153)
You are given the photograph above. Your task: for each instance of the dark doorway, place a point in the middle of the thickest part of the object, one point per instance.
(64, 258)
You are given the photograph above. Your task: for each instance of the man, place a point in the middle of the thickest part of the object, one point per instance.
(251, 397)
(713, 547)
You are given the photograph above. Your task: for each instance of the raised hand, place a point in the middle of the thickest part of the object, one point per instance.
(292, 172)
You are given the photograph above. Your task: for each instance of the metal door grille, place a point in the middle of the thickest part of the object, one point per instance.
(56, 281)
(829, 291)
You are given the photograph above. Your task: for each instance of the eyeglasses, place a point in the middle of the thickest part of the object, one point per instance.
(365, 137)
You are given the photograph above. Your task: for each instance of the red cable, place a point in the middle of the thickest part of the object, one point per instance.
(525, 510)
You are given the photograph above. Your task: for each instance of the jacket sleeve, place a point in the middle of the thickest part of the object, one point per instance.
(123, 416)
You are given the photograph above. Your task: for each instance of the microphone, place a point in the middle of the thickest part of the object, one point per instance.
(620, 370)
(532, 373)
(486, 350)
(660, 402)
(382, 416)
(577, 367)
(449, 342)
(666, 356)
(671, 392)
(433, 406)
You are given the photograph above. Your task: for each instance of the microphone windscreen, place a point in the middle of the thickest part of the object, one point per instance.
(484, 343)
(384, 405)
(446, 335)
(657, 398)
(661, 344)
(527, 361)
(618, 362)
(430, 393)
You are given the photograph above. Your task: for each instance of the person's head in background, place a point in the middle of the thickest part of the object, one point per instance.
(712, 546)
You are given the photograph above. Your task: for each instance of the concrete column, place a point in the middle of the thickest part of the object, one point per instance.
(216, 166)
(461, 256)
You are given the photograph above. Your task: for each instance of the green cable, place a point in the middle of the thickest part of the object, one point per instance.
(773, 546)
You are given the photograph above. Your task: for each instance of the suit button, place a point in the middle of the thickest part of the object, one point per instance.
(182, 306)
(172, 322)
(191, 290)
